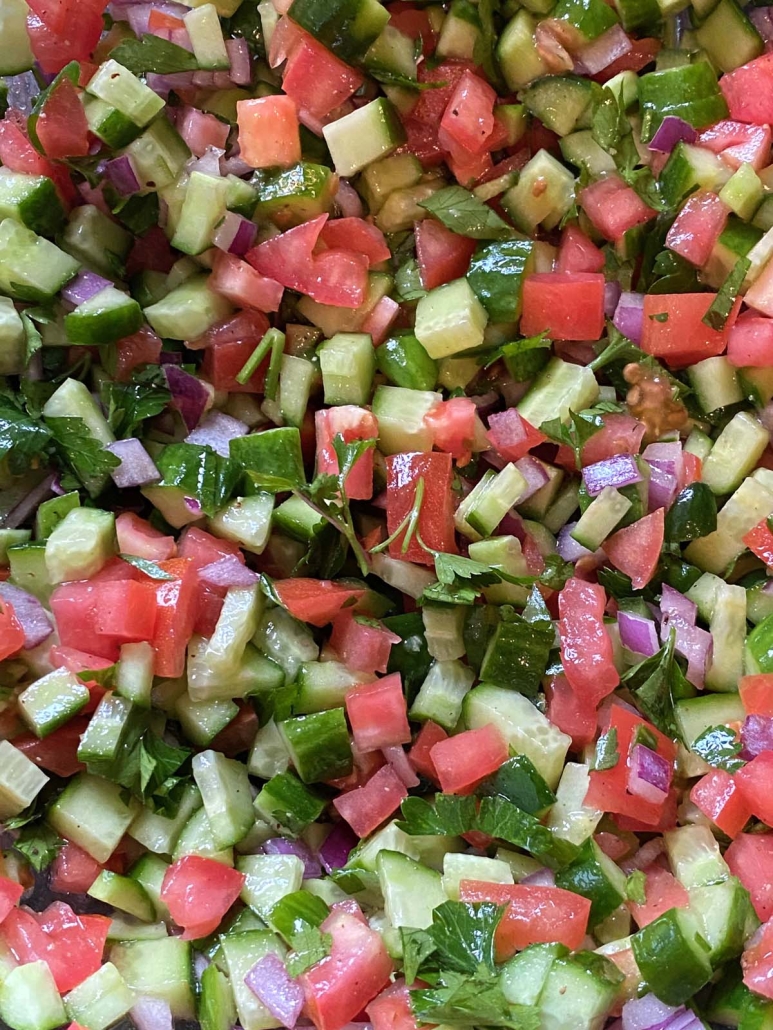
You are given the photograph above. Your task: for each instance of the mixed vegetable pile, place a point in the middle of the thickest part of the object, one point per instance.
(386, 629)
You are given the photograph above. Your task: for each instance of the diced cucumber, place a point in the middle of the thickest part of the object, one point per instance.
(519, 58)
(31, 200)
(134, 675)
(715, 383)
(219, 657)
(347, 29)
(543, 194)
(123, 893)
(695, 715)
(201, 721)
(217, 1009)
(729, 37)
(724, 913)
(52, 700)
(559, 389)
(570, 818)
(443, 629)
(97, 241)
(188, 310)
(410, 890)
(318, 745)
(100, 1000)
(347, 362)
(594, 875)
(17, 55)
(158, 155)
(206, 36)
(695, 857)
(269, 755)
(159, 833)
(580, 990)
(81, 544)
(91, 813)
(291, 196)
(750, 503)
(269, 878)
(288, 803)
(458, 867)
(378, 180)
(728, 628)
(288, 642)
(29, 999)
(241, 951)
(450, 319)
(117, 86)
(672, 956)
(460, 31)
(225, 791)
(562, 102)
(489, 501)
(31, 267)
(196, 838)
(159, 969)
(20, 780)
(735, 453)
(296, 378)
(600, 518)
(203, 208)
(367, 134)
(323, 685)
(400, 416)
(246, 521)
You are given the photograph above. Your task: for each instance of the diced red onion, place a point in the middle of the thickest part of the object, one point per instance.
(629, 316)
(334, 853)
(235, 165)
(23, 90)
(398, 759)
(604, 50)
(686, 1020)
(649, 775)
(83, 287)
(542, 878)
(348, 200)
(189, 395)
(763, 21)
(756, 732)
(612, 293)
(661, 489)
(568, 547)
(122, 175)
(692, 642)
(19, 514)
(672, 130)
(138, 14)
(200, 964)
(216, 430)
(30, 612)
(241, 66)
(235, 234)
(637, 633)
(165, 84)
(56, 486)
(533, 471)
(270, 982)
(666, 456)
(648, 1013)
(617, 1025)
(228, 571)
(619, 470)
(137, 468)
(645, 856)
(678, 609)
(193, 505)
(208, 163)
(152, 1014)
(284, 846)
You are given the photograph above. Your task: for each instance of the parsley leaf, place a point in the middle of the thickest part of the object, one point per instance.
(418, 945)
(451, 567)
(158, 763)
(310, 945)
(150, 568)
(451, 815)
(464, 934)
(39, 844)
(652, 684)
(720, 747)
(459, 1000)
(635, 887)
(408, 285)
(33, 341)
(87, 459)
(23, 439)
(515, 348)
(579, 429)
(153, 54)
(719, 311)
(606, 755)
(463, 213)
(129, 404)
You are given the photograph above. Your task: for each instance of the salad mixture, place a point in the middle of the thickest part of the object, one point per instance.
(386, 527)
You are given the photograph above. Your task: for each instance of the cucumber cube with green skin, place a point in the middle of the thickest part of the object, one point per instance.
(672, 956)
(17, 54)
(29, 999)
(735, 453)
(272, 459)
(31, 200)
(52, 512)
(345, 28)
(31, 267)
(529, 207)
(410, 890)
(81, 544)
(20, 780)
(241, 951)
(524, 976)
(108, 315)
(288, 803)
(92, 814)
(579, 990)
(188, 310)
(196, 839)
(496, 274)
(225, 791)
(291, 196)
(159, 969)
(450, 319)
(123, 893)
(51, 701)
(690, 92)
(158, 155)
(112, 126)
(595, 876)
(216, 1008)
(403, 360)
(319, 745)
(73, 400)
(100, 1000)
(269, 878)
(695, 857)
(117, 86)
(28, 569)
(363, 136)
(347, 362)
(97, 241)
(441, 694)
(246, 521)
(203, 207)
(559, 389)
(562, 102)
(13, 350)
(517, 52)
(400, 415)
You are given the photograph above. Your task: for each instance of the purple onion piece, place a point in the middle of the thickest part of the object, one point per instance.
(23, 90)
(152, 1014)
(648, 1013)
(208, 163)
(619, 470)
(20, 512)
(334, 853)
(31, 614)
(568, 547)
(189, 395)
(398, 759)
(216, 430)
(137, 468)
(122, 175)
(612, 293)
(241, 65)
(757, 734)
(637, 633)
(604, 50)
(83, 287)
(649, 774)
(661, 489)
(283, 846)
(535, 474)
(629, 316)
(542, 878)
(270, 982)
(235, 234)
(228, 571)
(672, 130)
(679, 609)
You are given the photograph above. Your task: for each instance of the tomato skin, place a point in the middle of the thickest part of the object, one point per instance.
(420, 757)
(748, 91)
(352, 423)
(176, 601)
(569, 713)
(757, 693)
(391, 1010)
(511, 435)
(750, 858)
(356, 234)
(73, 870)
(463, 760)
(198, 892)
(565, 305)
(360, 646)
(143, 348)
(468, 120)
(238, 282)
(202, 548)
(759, 540)
(697, 227)
(613, 207)
(442, 255)
(414, 22)
(757, 964)
(269, 132)
(126, 611)
(577, 253)
(223, 362)
(753, 782)
(316, 79)
(436, 519)
(10, 892)
(317, 601)
(137, 536)
(620, 434)
(19, 155)
(77, 41)
(71, 945)
(288, 257)
(682, 339)
(662, 892)
(751, 342)
(534, 914)
(62, 127)
(58, 752)
(737, 143)
(11, 631)
(718, 797)
(635, 550)
(586, 649)
(368, 806)
(74, 609)
(378, 714)
(358, 967)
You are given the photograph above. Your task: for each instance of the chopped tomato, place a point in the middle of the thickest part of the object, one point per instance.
(202, 548)
(238, 282)
(317, 601)
(73, 870)
(76, 41)
(414, 22)
(718, 797)
(635, 550)
(576, 253)
(137, 536)
(453, 423)
(757, 964)
(198, 892)
(534, 914)
(737, 143)
(269, 133)
(58, 752)
(352, 423)
(674, 331)
(436, 518)
(61, 126)
(176, 601)
(338, 987)
(565, 305)
(126, 610)
(143, 348)
(368, 806)
(356, 234)
(463, 760)
(378, 714)
(11, 631)
(662, 891)
(511, 435)
(316, 79)
(759, 540)
(757, 693)
(697, 227)
(361, 646)
(420, 757)
(751, 342)
(10, 892)
(391, 1010)
(753, 782)
(74, 607)
(468, 120)
(613, 207)
(19, 155)
(642, 52)
(748, 91)
(586, 648)
(442, 255)
(72, 945)
(750, 858)
(569, 712)
(620, 434)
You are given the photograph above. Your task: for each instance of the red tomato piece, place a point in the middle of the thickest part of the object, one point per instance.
(391, 1010)
(137, 536)
(586, 649)
(442, 255)
(620, 434)
(419, 756)
(748, 91)
(674, 331)
(511, 435)
(757, 964)
(199, 129)
(201, 548)
(361, 646)
(62, 127)
(453, 425)
(753, 782)
(379, 320)
(71, 945)
(269, 132)
(317, 601)
(316, 79)
(356, 234)
(635, 549)
(565, 305)
(750, 858)
(757, 693)
(642, 52)
(662, 892)
(223, 362)
(737, 143)
(239, 735)
(751, 342)
(369, 806)
(288, 257)
(569, 713)
(718, 797)
(421, 139)
(11, 631)
(74, 609)
(414, 22)
(352, 423)
(19, 155)
(577, 253)
(143, 348)
(358, 967)
(176, 601)
(436, 518)
(759, 540)
(613, 207)
(338, 278)
(534, 915)
(238, 282)
(58, 752)
(432, 103)
(126, 611)
(697, 227)
(76, 42)
(73, 870)
(10, 892)
(468, 119)
(463, 760)
(198, 892)
(378, 714)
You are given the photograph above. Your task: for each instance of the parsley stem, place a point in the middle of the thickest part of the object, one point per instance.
(408, 524)
(274, 365)
(251, 364)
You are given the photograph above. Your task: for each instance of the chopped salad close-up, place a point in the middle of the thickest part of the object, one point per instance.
(386, 514)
